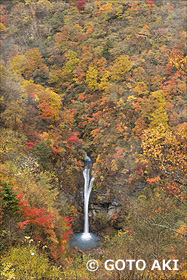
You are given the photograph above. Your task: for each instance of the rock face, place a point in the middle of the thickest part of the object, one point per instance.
(103, 209)
(104, 214)
(110, 208)
(100, 202)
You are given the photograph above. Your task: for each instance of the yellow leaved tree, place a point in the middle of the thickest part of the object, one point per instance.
(49, 103)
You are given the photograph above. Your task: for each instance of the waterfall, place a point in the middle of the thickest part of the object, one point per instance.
(88, 182)
(85, 240)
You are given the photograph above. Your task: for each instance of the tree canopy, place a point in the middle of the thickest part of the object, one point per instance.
(107, 78)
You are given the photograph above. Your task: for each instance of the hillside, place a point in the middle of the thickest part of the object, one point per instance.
(105, 78)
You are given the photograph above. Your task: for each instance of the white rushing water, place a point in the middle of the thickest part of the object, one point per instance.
(85, 240)
(88, 182)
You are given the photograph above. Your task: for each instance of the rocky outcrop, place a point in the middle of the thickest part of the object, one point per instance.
(110, 208)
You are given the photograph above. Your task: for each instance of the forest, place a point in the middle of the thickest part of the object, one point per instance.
(106, 79)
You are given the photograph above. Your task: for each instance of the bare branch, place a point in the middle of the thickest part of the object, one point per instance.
(167, 227)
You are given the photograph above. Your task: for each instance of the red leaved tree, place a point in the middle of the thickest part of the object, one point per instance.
(81, 5)
(54, 231)
(151, 3)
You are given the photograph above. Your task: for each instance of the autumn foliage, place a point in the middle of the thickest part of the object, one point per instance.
(34, 216)
(105, 79)
(81, 5)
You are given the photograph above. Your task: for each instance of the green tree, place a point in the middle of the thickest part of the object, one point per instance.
(8, 200)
